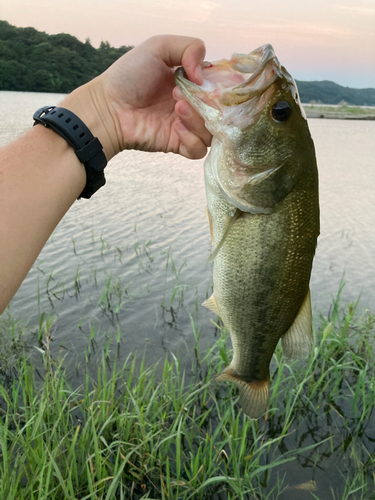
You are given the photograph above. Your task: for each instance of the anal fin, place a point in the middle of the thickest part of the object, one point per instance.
(253, 394)
(296, 342)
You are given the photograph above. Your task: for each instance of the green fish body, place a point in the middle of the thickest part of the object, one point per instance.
(262, 202)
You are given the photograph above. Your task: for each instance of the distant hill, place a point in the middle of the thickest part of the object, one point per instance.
(31, 60)
(327, 92)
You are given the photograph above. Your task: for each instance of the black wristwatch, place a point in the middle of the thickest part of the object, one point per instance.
(87, 148)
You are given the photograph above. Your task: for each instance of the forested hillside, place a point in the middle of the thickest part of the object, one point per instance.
(327, 92)
(31, 60)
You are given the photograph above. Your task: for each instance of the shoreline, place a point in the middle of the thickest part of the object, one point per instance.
(326, 111)
(339, 112)
(332, 115)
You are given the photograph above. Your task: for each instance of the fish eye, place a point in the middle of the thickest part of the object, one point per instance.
(281, 111)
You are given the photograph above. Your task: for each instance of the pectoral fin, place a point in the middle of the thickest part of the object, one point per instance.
(211, 304)
(253, 394)
(211, 225)
(228, 225)
(296, 342)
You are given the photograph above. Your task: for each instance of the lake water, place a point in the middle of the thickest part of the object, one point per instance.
(131, 264)
(158, 200)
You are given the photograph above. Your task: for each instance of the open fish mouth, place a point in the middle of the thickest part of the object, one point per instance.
(243, 100)
(251, 75)
(235, 91)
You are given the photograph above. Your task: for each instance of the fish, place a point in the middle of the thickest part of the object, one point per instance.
(308, 486)
(261, 182)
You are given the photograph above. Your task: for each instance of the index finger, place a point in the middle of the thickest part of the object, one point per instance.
(183, 51)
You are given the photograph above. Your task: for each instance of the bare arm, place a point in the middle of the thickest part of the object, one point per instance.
(130, 106)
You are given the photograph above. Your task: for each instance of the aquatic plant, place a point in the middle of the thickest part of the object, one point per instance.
(159, 432)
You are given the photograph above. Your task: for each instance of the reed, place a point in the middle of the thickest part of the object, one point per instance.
(141, 432)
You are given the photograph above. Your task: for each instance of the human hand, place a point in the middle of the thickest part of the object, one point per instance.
(141, 108)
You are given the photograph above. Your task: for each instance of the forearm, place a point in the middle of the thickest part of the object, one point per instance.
(40, 177)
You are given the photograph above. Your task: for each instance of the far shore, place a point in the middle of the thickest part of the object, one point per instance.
(343, 112)
(337, 116)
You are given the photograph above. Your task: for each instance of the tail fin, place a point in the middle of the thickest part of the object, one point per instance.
(253, 395)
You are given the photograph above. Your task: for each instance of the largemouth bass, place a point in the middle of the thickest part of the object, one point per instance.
(262, 202)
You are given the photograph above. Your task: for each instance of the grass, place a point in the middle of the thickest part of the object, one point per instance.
(140, 432)
(345, 109)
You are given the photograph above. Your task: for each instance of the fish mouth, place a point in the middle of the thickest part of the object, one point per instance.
(235, 91)
(235, 96)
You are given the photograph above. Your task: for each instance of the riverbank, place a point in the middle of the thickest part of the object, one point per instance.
(339, 112)
(141, 432)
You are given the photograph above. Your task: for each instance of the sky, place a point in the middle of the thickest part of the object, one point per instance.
(314, 39)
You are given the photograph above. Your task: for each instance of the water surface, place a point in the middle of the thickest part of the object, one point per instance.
(159, 199)
(131, 264)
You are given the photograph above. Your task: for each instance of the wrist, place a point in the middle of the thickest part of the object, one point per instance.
(90, 104)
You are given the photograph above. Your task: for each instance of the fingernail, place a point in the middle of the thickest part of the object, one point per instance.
(199, 74)
(177, 93)
(185, 110)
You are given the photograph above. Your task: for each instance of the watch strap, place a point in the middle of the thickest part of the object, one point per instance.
(87, 148)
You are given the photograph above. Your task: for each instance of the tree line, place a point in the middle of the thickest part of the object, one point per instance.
(32, 61)
(326, 92)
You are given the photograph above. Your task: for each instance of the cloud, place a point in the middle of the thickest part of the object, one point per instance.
(195, 11)
(357, 9)
(313, 33)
